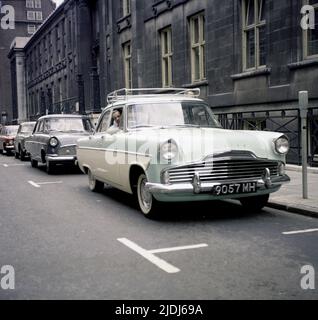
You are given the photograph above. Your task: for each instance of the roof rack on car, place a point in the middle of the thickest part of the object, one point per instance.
(124, 94)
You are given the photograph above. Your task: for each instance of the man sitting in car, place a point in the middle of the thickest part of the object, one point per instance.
(117, 125)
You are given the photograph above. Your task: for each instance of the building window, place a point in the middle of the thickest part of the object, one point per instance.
(166, 57)
(197, 35)
(39, 15)
(310, 36)
(29, 4)
(37, 4)
(127, 65)
(254, 34)
(31, 28)
(31, 15)
(125, 7)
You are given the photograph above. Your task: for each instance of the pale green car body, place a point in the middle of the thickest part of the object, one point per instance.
(139, 149)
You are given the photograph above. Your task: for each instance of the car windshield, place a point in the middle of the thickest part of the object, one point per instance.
(68, 125)
(12, 131)
(171, 114)
(27, 127)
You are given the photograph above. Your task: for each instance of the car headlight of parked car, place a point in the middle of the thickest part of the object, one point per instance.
(169, 150)
(282, 145)
(53, 142)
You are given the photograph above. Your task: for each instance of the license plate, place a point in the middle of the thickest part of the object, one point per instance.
(235, 188)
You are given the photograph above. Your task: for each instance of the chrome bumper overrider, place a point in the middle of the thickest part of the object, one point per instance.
(196, 187)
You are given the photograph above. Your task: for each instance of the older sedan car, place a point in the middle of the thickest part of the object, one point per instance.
(54, 138)
(171, 148)
(7, 136)
(24, 132)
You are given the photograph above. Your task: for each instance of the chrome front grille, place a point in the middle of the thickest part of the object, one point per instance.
(223, 170)
(67, 151)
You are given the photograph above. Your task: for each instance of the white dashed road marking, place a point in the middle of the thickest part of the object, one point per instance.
(179, 248)
(300, 232)
(14, 165)
(39, 184)
(151, 257)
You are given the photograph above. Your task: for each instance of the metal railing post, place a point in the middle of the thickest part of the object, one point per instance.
(303, 106)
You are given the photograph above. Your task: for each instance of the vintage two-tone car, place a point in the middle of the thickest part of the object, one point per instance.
(54, 138)
(24, 132)
(171, 148)
(7, 136)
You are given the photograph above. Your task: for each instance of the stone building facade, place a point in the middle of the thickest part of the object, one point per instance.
(246, 56)
(28, 15)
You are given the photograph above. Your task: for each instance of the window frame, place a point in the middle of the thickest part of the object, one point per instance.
(201, 44)
(29, 4)
(127, 64)
(31, 16)
(166, 57)
(256, 27)
(305, 36)
(126, 7)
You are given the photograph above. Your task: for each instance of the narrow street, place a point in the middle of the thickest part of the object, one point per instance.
(65, 242)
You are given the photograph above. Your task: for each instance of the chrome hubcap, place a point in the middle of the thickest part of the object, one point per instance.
(145, 195)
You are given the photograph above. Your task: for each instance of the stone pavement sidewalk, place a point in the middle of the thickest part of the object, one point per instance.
(290, 198)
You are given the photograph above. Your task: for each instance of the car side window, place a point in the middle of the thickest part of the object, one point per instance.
(104, 123)
(40, 127)
(117, 120)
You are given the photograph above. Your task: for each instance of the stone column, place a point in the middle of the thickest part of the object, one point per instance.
(95, 90)
(81, 94)
(84, 45)
(50, 101)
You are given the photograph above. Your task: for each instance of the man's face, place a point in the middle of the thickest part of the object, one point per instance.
(117, 117)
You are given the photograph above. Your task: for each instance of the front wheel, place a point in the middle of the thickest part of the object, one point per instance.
(255, 204)
(94, 185)
(148, 205)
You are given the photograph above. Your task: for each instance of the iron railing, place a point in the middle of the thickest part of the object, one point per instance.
(284, 121)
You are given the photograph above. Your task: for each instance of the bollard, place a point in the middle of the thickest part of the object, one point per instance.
(303, 106)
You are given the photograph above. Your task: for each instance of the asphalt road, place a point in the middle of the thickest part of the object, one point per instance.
(63, 242)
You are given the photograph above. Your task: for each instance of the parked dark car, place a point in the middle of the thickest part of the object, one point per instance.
(24, 132)
(54, 139)
(7, 136)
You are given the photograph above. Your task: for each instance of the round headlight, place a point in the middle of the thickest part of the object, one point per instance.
(282, 145)
(53, 142)
(169, 150)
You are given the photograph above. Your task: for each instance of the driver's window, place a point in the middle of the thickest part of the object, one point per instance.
(40, 127)
(117, 121)
(104, 123)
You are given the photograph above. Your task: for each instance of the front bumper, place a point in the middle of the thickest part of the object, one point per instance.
(9, 147)
(61, 159)
(268, 184)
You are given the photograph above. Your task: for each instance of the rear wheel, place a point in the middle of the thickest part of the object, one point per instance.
(255, 204)
(148, 205)
(94, 185)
